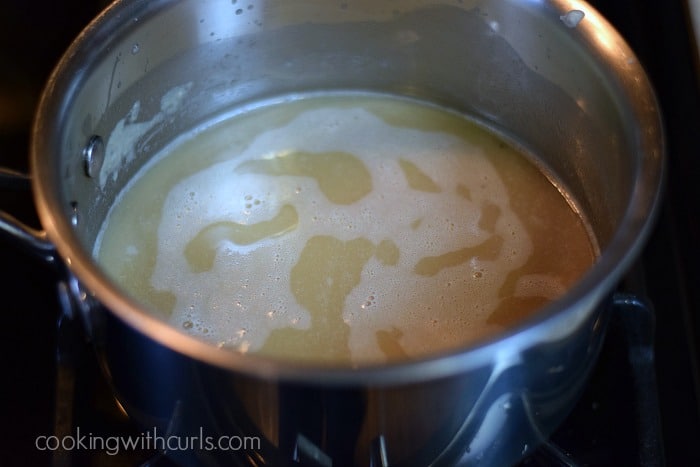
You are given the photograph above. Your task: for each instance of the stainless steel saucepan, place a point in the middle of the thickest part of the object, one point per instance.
(551, 74)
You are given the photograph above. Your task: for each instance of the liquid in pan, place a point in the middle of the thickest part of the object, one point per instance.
(344, 229)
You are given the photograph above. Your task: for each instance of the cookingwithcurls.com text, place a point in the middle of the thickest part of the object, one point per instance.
(150, 440)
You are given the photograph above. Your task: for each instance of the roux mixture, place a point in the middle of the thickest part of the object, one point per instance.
(345, 229)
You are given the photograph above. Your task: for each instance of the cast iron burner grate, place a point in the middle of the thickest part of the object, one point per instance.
(616, 421)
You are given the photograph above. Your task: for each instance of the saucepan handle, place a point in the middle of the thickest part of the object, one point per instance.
(33, 240)
(36, 243)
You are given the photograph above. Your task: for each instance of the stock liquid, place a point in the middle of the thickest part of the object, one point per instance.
(344, 229)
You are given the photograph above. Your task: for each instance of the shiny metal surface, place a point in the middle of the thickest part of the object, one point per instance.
(563, 84)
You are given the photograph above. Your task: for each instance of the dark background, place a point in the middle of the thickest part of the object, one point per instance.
(34, 34)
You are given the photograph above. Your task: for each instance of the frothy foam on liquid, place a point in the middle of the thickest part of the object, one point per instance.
(344, 229)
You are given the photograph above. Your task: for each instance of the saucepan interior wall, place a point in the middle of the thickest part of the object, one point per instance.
(175, 67)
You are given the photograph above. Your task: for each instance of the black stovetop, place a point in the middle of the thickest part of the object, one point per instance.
(615, 422)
